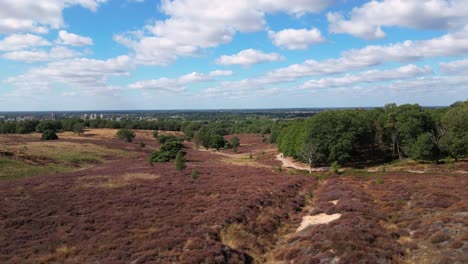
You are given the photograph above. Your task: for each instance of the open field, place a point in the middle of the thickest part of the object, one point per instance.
(119, 209)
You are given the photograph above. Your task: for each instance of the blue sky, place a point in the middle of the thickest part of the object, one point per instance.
(211, 54)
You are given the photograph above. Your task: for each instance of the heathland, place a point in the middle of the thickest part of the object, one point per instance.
(386, 185)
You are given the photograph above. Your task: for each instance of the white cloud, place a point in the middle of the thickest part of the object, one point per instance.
(451, 44)
(248, 57)
(455, 67)
(66, 38)
(217, 73)
(55, 53)
(178, 84)
(367, 21)
(22, 41)
(88, 74)
(296, 39)
(404, 72)
(194, 25)
(37, 16)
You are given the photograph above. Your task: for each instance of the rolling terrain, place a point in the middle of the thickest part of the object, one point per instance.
(96, 199)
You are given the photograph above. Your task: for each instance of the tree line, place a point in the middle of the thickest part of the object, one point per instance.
(380, 134)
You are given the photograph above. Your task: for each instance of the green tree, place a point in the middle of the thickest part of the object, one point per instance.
(455, 140)
(126, 134)
(180, 161)
(49, 134)
(235, 143)
(78, 128)
(425, 148)
(155, 134)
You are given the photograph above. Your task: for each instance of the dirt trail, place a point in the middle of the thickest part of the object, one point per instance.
(289, 163)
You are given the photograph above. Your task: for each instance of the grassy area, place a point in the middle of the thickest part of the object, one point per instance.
(36, 158)
(13, 169)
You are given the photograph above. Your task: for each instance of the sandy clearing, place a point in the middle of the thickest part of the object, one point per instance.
(319, 219)
(290, 163)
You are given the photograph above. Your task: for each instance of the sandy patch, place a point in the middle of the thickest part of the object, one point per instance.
(335, 202)
(319, 219)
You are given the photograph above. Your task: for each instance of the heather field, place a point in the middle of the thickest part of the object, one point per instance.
(96, 199)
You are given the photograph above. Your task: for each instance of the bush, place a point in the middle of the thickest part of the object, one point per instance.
(78, 128)
(155, 134)
(180, 161)
(335, 166)
(49, 134)
(166, 152)
(166, 138)
(379, 181)
(142, 144)
(234, 143)
(126, 134)
(194, 174)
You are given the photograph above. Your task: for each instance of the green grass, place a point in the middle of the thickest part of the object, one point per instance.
(12, 169)
(54, 157)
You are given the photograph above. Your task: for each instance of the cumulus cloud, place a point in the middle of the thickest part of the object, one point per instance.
(455, 67)
(404, 72)
(178, 84)
(296, 39)
(451, 44)
(66, 38)
(367, 21)
(217, 73)
(248, 57)
(37, 16)
(194, 25)
(88, 74)
(22, 41)
(55, 53)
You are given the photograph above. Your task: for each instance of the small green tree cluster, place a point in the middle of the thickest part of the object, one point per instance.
(167, 152)
(126, 134)
(210, 138)
(49, 134)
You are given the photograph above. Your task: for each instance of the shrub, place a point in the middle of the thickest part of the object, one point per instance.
(235, 143)
(155, 134)
(142, 144)
(194, 174)
(166, 152)
(180, 161)
(379, 181)
(49, 134)
(78, 128)
(335, 166)
(166, 138)
(126, 134)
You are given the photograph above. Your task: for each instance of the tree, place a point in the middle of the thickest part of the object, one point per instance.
(126, 134)
(180, 161)
(425, 148)
(155, 134)
(455, 140)
(167, 152)
(235, 143)
(48, 125)
(217, 142)
(78, 128)
(49, 134)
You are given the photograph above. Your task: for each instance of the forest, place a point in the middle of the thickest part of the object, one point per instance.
(377, 135)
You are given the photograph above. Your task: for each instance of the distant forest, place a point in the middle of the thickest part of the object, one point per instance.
(344, 136)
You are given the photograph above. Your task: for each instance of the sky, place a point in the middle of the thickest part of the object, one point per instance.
(218, 54)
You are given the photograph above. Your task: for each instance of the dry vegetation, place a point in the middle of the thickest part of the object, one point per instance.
(239, 210)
